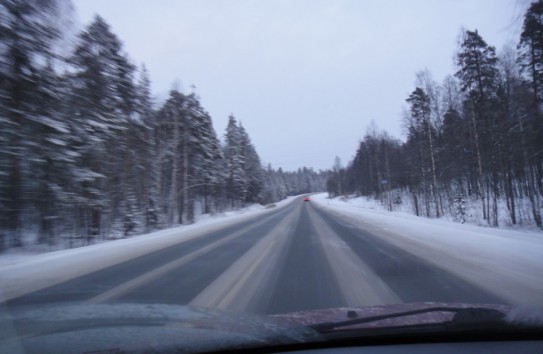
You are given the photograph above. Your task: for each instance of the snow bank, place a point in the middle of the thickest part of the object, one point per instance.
(373, 211)
(508, 263)
(21, 273)
(473, 213)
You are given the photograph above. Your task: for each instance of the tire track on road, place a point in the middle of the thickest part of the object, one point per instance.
(164, 278)
(120, 279)
(242, 286)
(359, 285)
(412, 278)
(305, 279)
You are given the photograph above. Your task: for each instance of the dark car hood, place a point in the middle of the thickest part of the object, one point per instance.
(115, 328)
(314, 317)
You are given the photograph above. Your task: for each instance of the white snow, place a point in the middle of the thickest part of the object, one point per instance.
(21, 273)
(508, 263)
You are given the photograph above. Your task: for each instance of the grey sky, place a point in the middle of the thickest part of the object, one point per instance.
(304, 77)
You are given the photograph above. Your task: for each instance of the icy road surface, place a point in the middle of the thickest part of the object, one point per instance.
(297, 256)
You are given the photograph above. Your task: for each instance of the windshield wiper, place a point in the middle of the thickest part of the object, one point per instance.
(462, 317)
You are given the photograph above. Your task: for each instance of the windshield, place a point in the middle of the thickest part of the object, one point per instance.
(268, 158)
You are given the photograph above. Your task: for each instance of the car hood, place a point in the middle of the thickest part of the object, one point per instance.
(83, 328)
(336, 315)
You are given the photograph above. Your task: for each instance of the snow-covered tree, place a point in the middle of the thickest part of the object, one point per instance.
(28, 32)
(236, 179)
(104, 105)
(252, 167)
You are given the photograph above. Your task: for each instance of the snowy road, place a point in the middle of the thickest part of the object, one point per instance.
(302, 255)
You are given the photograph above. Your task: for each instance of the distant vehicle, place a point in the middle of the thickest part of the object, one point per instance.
(306, 199)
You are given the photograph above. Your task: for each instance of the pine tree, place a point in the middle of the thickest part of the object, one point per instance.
(531, 48)
(477, 66)
(252, 167)
(459, 208)
(423, 129)
(54, 162)
(236, 181)
(478, 76)
(148, 167)
(104, 102)
(453, 142)
(28, 30)
(168, 137)
(204, 155)
(530, 58)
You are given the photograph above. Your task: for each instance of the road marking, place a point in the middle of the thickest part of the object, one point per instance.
(156, 273)
(521, 288)
(358, 283)
(242, 285)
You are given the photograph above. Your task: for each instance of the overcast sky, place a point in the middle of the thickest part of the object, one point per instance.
(304, 77)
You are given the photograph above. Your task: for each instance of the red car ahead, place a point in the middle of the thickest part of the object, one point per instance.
(306, 199)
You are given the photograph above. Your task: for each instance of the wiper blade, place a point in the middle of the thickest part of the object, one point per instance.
(462, 317)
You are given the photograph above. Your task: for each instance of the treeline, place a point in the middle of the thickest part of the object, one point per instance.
(86, 155)
(478, 135)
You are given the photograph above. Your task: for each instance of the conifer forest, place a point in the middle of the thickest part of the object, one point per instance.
(87, 152)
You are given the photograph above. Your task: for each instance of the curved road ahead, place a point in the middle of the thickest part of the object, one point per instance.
(297, 257)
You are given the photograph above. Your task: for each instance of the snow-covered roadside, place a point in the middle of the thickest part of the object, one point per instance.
(22, 273)
(508, 263)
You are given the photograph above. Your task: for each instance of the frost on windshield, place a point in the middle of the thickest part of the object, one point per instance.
(144, 328)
